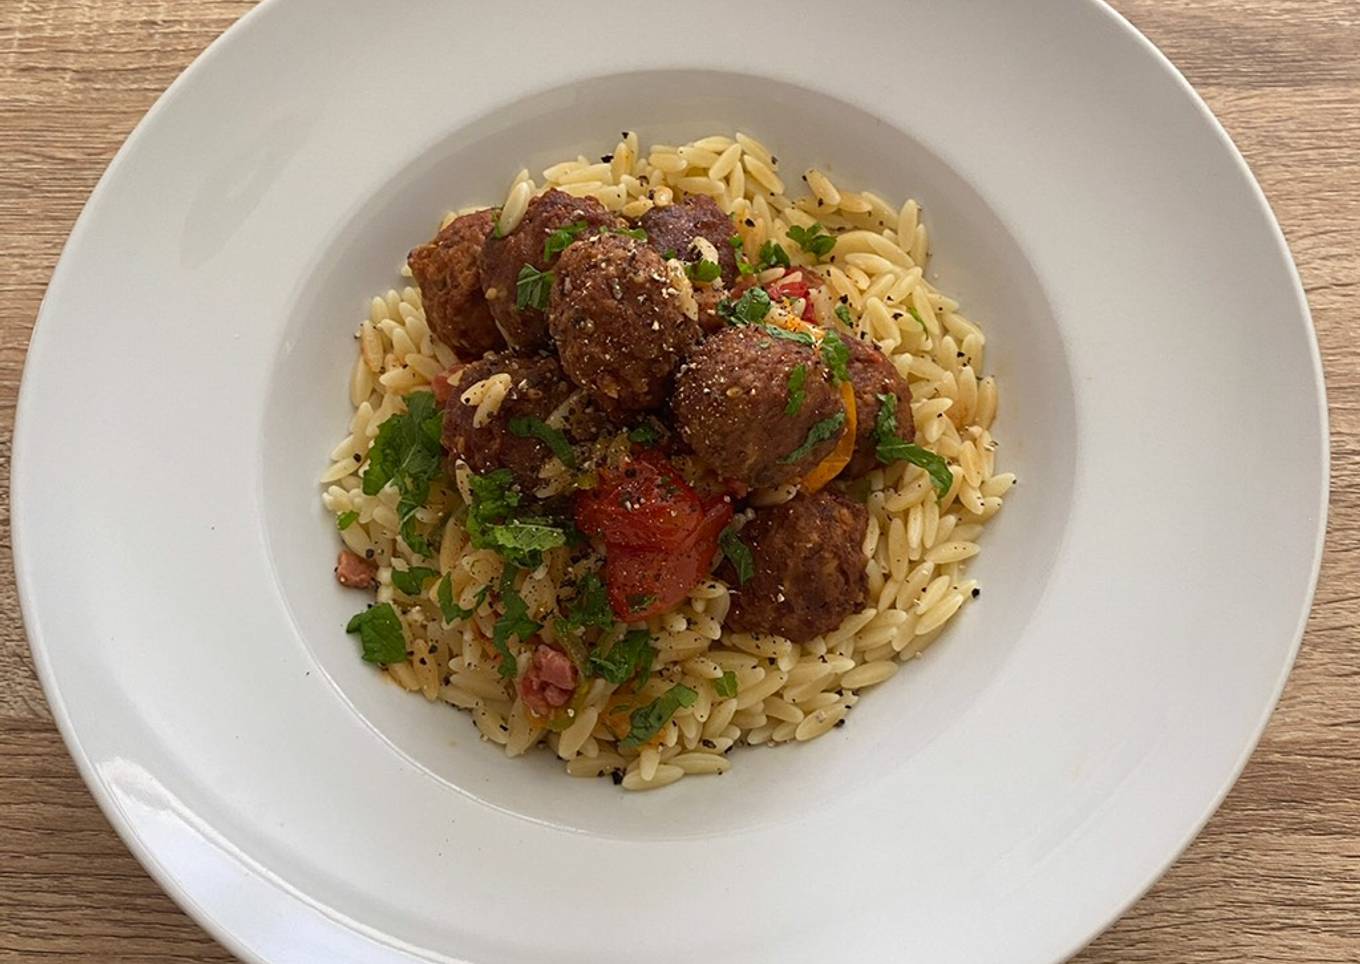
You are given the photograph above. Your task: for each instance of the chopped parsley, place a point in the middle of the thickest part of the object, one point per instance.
(772, 255)
(526, 426)
(892, 448)
(346, 519)
(450, 610)
(532, 288)
(637, 234)
(629, 657)
(812, 240)
(513, 624)
(408, 455)
(843, 313)
(738, 553)
(836, 356)
(827, 428)
(492, 523)
(797, 379)
(646, 721)
(703, 272)
(559, 240)
(726, 685)
(380, 634)
(750, 309)
(412, 581)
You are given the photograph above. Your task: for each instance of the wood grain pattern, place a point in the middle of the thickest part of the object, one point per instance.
(1275, 877)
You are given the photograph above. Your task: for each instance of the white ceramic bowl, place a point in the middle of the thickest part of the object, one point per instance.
(1145, 588)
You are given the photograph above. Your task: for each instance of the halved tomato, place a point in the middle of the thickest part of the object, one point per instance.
(644, 582)
(645, 503)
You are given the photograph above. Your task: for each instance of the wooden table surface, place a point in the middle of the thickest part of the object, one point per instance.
(1276, 874)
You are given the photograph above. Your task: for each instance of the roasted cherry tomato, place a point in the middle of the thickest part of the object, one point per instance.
(645, 504)
(644, 582)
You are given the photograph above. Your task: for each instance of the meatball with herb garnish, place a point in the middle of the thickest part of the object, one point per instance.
(516, 270)
(806, 567)
(873, 375)
(451, 285)
(516, 398)
(758, 405)
(671, 230)
(617, 322)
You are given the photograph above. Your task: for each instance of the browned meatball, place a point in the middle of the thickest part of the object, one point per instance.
(617, 323)
(873, 375)
(809, 567)
(672, 229)
(502, 259)
(736, 405)
(537, 387)
(451, 286)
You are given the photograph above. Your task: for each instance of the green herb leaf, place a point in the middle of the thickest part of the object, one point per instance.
(726, 685)
(919, 320)
(526, 426)
(629, 657)
(812, 240)
(836, 356)
(645, 434)
(703, 272)
(843, 313)
(772, 255)
(380, 634)
(638, 601)
(419, 544)
(738, 553)
(646, 721)
(346, 519)
(892, 448)
(514, 624)
(744, 267)
(637, 234)
(750, 309)
(827, 428)
(450, 610)
(736, 242)
(523, 542)
(559, 240)
(407, 453)
(532, 288)
(412, 581)
(797, 379)
(589, 607)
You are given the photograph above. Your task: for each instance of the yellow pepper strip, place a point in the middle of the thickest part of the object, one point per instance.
(831, 466)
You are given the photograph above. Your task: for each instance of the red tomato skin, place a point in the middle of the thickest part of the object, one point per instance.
(645, 582)
(646, 504)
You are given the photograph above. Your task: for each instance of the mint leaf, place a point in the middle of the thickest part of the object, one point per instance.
(637, 234)
(630, 656)
(797, 379)
(836, 356)
(532, 288)
(812, 240)
(645, 434)
(703, 272)
(892, 448)
(523, 542)
(645, 722)
(738, 553)
(346, 519)
(411, 581)
(589, 607)
(827, 428)
(450, 610)
(407, 453)
(559, 240)
(843, 313)
(380, 634)
(751, 308)
(772, 255)
(726, 685)
(526, 426)
(514, 624)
